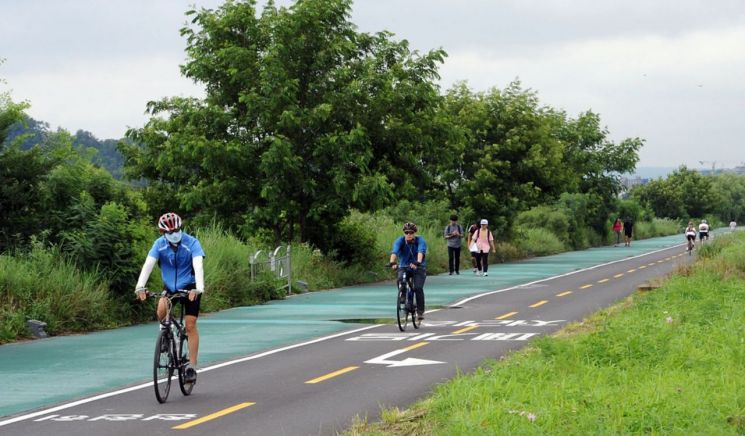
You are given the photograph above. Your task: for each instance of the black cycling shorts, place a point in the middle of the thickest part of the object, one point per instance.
(190, 307)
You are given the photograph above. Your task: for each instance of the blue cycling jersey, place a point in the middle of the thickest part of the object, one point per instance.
(407, 252)
(176, 264)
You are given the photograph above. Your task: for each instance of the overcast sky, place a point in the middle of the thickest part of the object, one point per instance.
(671, 72)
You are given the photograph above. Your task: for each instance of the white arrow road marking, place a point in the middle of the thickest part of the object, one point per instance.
(409, 361)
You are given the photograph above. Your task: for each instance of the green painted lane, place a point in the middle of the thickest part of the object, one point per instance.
(49, 371)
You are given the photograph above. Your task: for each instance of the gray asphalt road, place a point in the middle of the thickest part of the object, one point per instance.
(318, 387)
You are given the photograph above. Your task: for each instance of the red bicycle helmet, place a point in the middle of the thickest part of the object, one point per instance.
(169, 222)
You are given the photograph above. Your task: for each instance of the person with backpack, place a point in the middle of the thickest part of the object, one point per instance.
(481, 241)
(454, 236)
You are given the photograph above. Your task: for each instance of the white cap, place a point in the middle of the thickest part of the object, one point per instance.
(484, 222)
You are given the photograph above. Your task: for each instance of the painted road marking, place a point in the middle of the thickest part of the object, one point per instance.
(631, 270)
(585, 286)
(660, 261)
(564, 293)
(212, 416)
(331, 375)
(466, 329)
(409, 361)
(651, 263)
(506, 315)
(540, 303)
(504, 337)
(618, 276)
(642, 266)
(603, 281)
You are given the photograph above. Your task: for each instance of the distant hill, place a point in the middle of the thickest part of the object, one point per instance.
(107, 156)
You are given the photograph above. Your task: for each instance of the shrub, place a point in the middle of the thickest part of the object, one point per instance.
(538, 242)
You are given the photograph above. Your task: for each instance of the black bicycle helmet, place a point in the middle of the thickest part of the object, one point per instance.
(409, 227)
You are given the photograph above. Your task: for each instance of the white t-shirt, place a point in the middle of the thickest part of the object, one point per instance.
(703, 227)
(732, 225)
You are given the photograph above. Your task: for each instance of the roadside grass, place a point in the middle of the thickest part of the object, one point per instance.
(669, 361)
(656, 227)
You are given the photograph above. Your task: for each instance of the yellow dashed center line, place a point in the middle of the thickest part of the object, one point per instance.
(642, 266)
(212, 416)
(660, 261)
(564, 293)
(331, 375)
(618, 275)
(585, 286)
(602, 281)
(415, 346)
(506, 315)
(651, 263)
(466, 329)
(540, 303)
(631, 270)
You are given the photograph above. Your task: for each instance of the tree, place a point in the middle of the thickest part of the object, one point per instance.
(683, 194)
(304, 118)
(511, 160)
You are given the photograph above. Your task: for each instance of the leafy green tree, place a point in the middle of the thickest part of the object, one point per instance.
(511, 158)
(684, 193)
(304, 118)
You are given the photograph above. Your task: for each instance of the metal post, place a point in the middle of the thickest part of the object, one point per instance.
(289, 271)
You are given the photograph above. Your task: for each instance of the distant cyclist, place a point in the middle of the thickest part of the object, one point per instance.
(732, 225)
(410, 250)
(180, 257)
(703, 231)
(690, 233)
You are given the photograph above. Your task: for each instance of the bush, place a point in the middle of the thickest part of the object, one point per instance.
(354, 240)
(42, 285)
(550, 218)
(538, 242)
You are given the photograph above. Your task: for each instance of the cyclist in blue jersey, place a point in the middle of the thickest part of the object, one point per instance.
(180, 258)
(410, 250)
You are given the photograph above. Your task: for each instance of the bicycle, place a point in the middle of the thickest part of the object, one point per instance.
(691, 237)
(406, 301)
(169, 358)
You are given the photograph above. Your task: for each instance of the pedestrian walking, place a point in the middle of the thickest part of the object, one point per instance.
(617, 227)
(454, 235)
(484, 240)
(628, 231)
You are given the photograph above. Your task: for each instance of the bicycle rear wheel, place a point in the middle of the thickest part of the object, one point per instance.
(183, 361)
(163, 366)
(401, 313)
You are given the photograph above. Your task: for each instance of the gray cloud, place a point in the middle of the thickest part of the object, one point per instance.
(668, 71)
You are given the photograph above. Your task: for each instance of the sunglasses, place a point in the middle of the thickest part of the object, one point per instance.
(409, 233)
(173, 231)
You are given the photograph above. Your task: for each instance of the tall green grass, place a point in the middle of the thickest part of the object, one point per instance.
(656, 227)
(671, 361)
(41, 285)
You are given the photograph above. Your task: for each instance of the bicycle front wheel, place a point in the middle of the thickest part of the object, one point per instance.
(414, 320)
(401, 313)
(186, 388)
(163, 366)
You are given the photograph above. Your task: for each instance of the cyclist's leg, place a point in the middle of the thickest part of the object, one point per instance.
(419, 277)
(190, 319)
(161, 310)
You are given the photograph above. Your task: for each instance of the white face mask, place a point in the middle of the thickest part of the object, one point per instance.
(174, 238)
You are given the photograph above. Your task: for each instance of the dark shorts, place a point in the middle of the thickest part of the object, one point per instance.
(190, 307)
(627, 232)
(702, 235)
(691, 237)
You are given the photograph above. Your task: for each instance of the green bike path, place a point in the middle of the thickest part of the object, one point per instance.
(48, 371)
